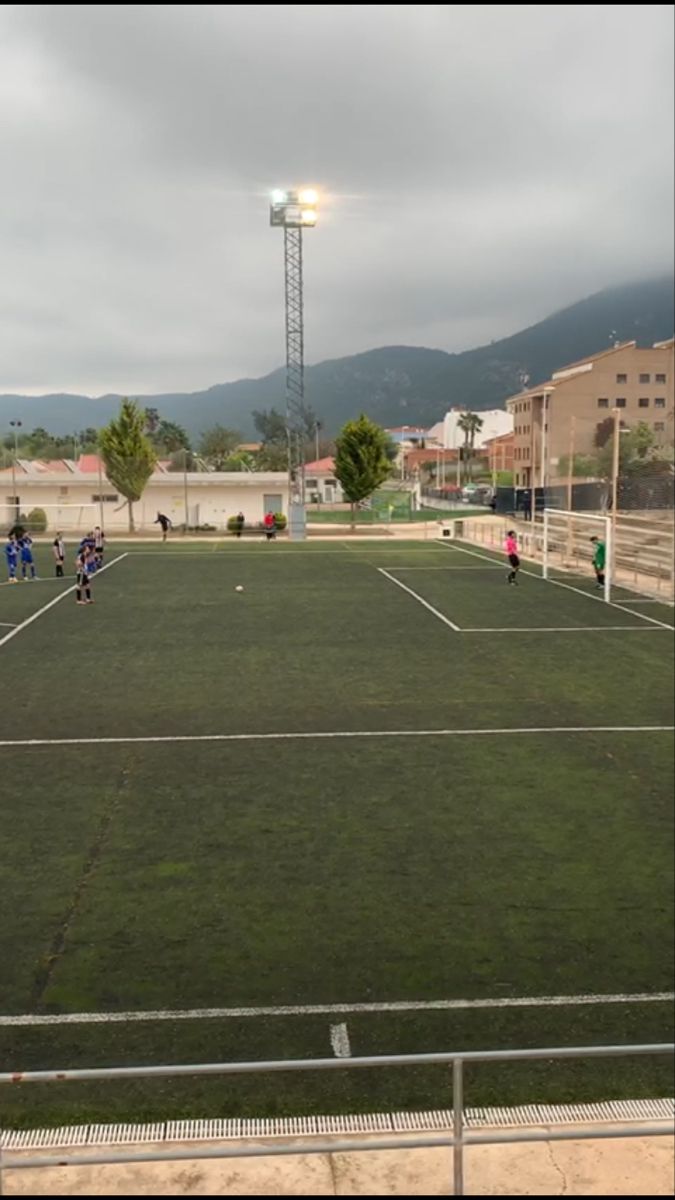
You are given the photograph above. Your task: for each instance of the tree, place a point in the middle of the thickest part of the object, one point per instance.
(584, 466)
(217, 444)
(128, 454)
(604, 430)
(470, 424)
(271, 426)
(152, 419)
(636, 449)
(171, 437)
(361, 462)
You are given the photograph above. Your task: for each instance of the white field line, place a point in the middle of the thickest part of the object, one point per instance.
(304, 1010)
(8, 624)
(650, 600)
(568, 629)
(41, 579)
(339, 1040)
(568, 586)
(485, 569)
(339, 733)
(45, 608)
(419, 599)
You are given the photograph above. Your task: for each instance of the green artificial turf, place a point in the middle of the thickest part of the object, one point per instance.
(297, 871)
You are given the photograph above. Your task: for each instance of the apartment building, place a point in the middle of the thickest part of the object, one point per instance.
(560, 417)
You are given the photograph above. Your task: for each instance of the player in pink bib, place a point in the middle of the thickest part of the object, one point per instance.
(511, 547)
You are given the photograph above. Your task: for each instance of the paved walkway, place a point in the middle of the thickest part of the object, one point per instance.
(626, 1167)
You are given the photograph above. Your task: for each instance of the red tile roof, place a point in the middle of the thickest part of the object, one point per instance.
(319, 465)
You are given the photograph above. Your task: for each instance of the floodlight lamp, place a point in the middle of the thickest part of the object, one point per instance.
(308, 196)
(278, 197)
(308, 216)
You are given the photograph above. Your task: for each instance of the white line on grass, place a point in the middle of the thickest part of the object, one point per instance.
(303, 1010)
(568, 629)
(339, 1040)
(568, 586)
(45, 608)
(496, 566)
(41, 579)
(419, 599)
(8, 624)
(339, 733)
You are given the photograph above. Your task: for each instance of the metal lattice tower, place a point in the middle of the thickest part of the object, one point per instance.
(295, 363)
(295, 211)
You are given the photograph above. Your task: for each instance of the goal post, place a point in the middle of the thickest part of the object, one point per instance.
(567, 544)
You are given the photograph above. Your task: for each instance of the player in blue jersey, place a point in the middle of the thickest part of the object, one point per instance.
(27, 563)
(11, 557)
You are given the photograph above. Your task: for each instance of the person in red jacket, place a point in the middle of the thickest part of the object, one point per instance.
(270, 524)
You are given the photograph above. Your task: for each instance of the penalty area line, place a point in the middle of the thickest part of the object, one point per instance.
(303, 1010)
(57, 599)
(404, 587)
(336, 733)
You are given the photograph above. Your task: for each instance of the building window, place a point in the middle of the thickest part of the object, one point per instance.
(659, 379)
(111, 498)
(645, 378)
(63, 491)
(603, 403)
(620, 402)
(643, 402)
(622, 379)
(659, 426)
(331, 483)
(312, 483)
(13, 501)
(660, 402)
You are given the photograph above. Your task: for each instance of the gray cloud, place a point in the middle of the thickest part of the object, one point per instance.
(481, 167)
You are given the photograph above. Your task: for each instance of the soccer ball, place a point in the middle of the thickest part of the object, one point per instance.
(239, 588)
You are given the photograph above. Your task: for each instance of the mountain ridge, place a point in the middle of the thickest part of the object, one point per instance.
(394, 384)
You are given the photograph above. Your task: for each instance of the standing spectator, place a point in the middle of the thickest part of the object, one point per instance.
(165, 522)
(270, 524)
(59, 549)
(240, 523)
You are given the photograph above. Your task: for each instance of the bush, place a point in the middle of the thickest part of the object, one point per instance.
(232, 524)
(37, 520)
(281, 520)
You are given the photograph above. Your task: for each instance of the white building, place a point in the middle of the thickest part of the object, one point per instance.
(75, 495)
(320, 482)
(448, 434)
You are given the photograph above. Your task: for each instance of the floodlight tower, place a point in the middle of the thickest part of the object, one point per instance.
(294, 210)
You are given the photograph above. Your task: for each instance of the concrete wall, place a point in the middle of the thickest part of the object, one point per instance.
(69, 502)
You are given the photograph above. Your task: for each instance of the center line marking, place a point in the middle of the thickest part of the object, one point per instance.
(333, 733)
(339, 1040)
(302, 1010)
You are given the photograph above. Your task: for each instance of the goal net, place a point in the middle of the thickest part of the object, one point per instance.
(53, 518)
(638, 554)
(568, 547)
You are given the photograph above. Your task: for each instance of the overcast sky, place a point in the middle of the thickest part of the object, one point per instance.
(480, 166)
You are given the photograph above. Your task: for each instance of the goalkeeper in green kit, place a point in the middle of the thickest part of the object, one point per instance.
(599, 556)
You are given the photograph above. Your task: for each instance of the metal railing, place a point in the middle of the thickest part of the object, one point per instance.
(456, 1140)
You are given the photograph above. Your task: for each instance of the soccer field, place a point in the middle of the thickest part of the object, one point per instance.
(376, 802)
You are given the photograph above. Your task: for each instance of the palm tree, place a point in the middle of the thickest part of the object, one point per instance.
(470, 424)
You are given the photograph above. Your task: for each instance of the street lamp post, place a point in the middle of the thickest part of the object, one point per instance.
(294, 210)
(16, 426)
